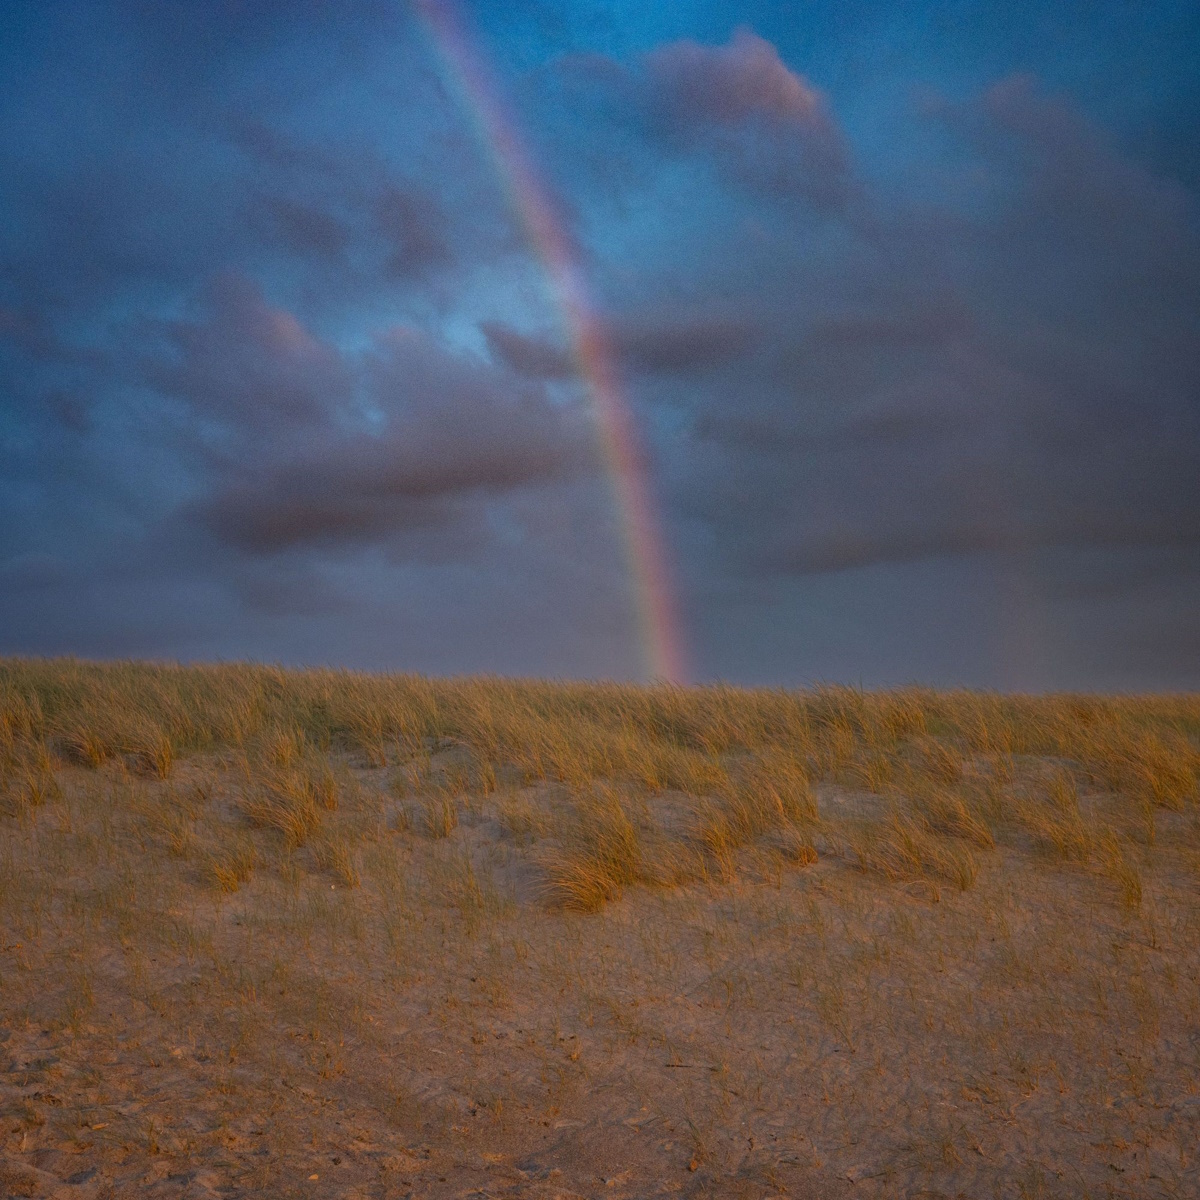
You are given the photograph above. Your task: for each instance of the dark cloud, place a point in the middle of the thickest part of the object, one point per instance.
(369, 488)
(682, 344)
(650, 343)
(414, 229)
(406, 436)
(305, 228)
(246, 362)
(1083, 204)
(765, 126)
(698, 87)
(342, 204)
(532, 356)
(272, 151)
(1044, 400)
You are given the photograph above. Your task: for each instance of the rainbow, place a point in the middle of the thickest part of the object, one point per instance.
(624, 459)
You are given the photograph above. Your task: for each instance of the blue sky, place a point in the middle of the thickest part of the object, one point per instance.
(905, 300)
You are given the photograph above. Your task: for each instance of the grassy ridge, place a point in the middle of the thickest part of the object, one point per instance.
(955, 767)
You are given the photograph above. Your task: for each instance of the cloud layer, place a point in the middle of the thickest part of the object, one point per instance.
(916, 369)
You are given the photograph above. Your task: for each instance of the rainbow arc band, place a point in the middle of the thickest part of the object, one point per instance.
(624, 459)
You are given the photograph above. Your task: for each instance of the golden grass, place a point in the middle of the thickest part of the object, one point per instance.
(953, 767)
(441, 814)
(267, 863)
(233, 865)
(948, 814)
(600, 852)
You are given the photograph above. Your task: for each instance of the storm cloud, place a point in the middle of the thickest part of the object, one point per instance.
(913, 352)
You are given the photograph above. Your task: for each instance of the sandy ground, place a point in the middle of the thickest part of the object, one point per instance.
(436, 1030)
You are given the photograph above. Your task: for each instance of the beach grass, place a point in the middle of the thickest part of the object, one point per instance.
(315, 932)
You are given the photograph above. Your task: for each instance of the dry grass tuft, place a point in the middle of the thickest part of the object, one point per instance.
(335, 855)
(770, 796)
(1118, 865)
(231, 866)
(576, 882)
(797, 848)
(941, 761)
(904, 848)
(1056, 822)
(873, 770)
(947, 814)
(150, 752)
(773, 792)
(291, 799)
(1162, 767)
(441, 814)
(87, 745)
(600, 852)
(27, 780)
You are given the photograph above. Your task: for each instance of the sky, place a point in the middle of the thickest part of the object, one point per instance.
(900, 305)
